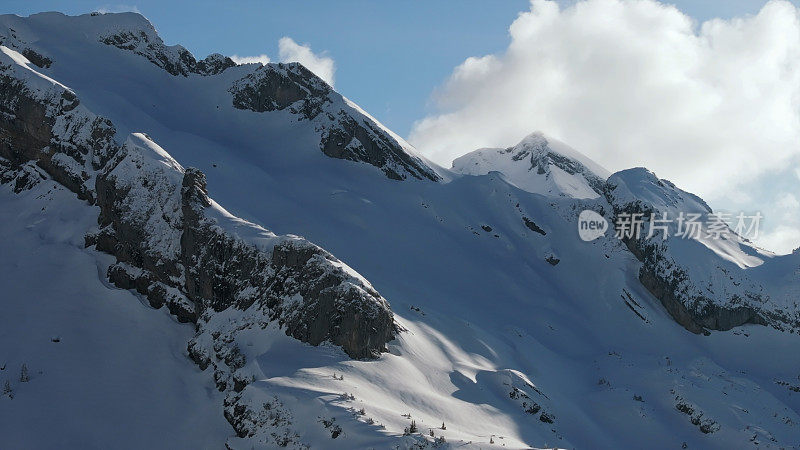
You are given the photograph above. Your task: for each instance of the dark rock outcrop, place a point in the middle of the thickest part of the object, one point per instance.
(175, 250)
(346, 132)
(364, 141)
(532, 226)
(714, 298)
(336, 307)
(69, 151)
(176, 60)
(37, 58)
(280, 86)
(154, 218)
(157, 222)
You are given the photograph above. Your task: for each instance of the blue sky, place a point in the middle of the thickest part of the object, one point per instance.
(390, 56)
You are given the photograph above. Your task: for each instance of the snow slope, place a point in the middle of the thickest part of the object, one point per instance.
(105, 371)
(493, 324)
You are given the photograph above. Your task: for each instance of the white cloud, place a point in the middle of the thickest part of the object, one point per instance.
(106, 9)
(262, 59)
(787, 201)
(631, 83)
(782, 240)
(784, 234)
(323, 66)
(290, 51)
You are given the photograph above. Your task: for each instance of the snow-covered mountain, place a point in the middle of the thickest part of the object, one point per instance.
(703, 280)
(150, 305)
(541, 165)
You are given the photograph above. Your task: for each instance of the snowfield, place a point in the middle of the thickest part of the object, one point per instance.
(105, 370)
(512, 332)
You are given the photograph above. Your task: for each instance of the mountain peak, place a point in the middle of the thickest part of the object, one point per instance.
(535, 139)
(539, 164)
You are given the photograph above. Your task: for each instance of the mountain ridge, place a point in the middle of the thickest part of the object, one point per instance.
(504, 324)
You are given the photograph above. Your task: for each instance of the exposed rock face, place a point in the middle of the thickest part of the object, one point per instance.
(175, 59)
(671, 284)
(279, 86)
(264, 420)
(213, 64)
(719, 296)
(532, 226)
(171, 245)
(527, 396)
(179, 249)
(154, 216)
(37, 58)
(10, 39)
(346, 132)
(698, 418)
(336, 306)
(49, 129)
(364, 141)
(667, 291)
(536, 149)
(301, 269)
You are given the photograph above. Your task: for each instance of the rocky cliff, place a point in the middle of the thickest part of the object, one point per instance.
(143, 40)
(173, 244)
(346, 131)
(701, 289)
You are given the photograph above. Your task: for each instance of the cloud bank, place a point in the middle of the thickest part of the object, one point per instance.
(323, 66)
(710, 106)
